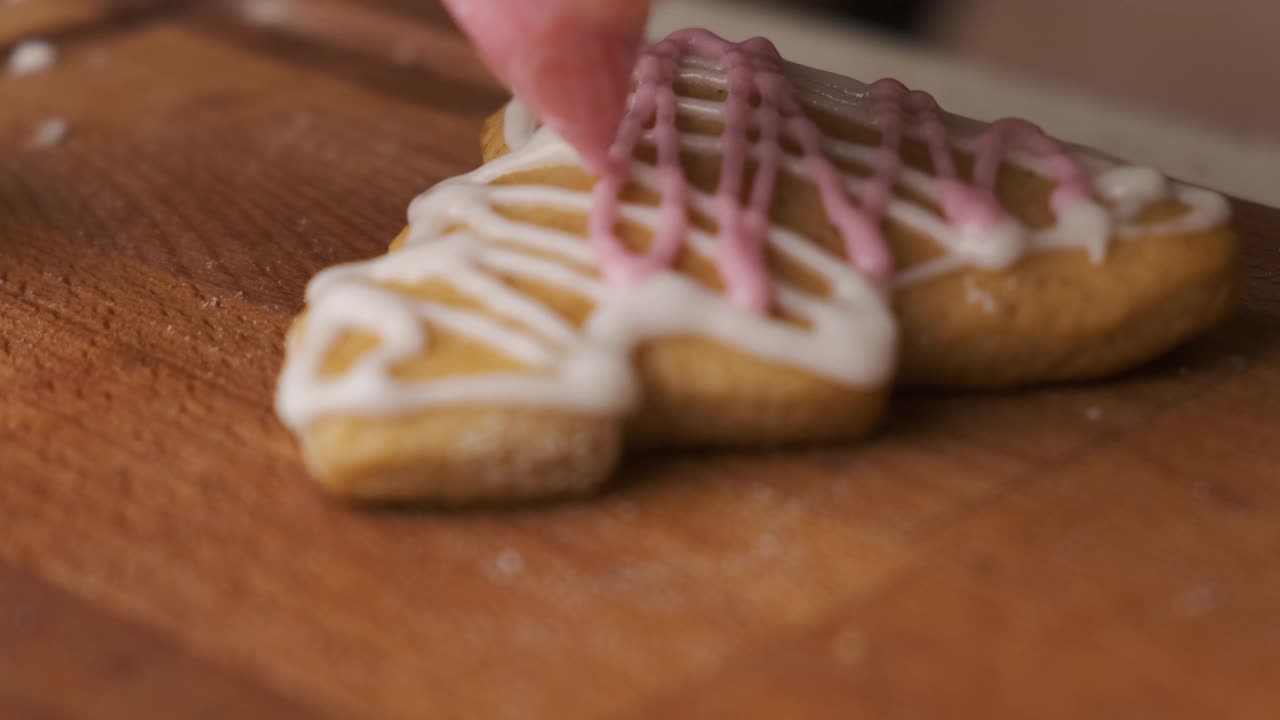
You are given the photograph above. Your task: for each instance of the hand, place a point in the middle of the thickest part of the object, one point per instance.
(569, 60)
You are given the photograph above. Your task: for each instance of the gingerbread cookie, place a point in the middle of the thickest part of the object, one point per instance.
(732, 280)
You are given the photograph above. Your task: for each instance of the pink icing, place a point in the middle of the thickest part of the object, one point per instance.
(761, 98)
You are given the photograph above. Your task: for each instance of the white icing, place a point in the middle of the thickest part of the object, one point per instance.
(518, 125)
(849, 336)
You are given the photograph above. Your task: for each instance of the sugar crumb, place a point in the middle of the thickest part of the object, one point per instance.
(404, 53)
(793, 507)
(50, 133)
(1197, 601)
(849, 646)
(768, 545)
(99, 58)
(265, 12)
(1093, 414)
(978, 296)
(763, 494)
(509, 563)
(32, 56)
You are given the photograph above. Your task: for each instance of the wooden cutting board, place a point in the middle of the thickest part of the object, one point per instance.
(1080, 552)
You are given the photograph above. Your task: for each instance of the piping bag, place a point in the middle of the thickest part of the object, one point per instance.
(569, 61)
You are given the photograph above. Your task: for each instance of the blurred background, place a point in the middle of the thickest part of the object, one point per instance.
(1216, 62)
(1190, 86)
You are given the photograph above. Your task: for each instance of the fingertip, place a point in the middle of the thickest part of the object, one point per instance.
(586, 106)
(570, 66)
(616, 13)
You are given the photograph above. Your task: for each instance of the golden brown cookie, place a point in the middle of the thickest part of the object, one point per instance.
(732, 280)
(1054, 315)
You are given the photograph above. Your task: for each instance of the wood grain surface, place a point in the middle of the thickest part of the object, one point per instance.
(1108, 551)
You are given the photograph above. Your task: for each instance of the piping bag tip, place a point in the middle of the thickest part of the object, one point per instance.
(581, 92)
(569, 61)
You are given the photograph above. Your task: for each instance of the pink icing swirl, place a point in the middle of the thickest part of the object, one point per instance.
(762, 99)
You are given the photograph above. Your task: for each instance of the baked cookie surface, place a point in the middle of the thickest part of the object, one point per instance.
(1083, 266)
(769, 245)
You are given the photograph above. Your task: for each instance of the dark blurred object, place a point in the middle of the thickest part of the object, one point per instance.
(899, 16)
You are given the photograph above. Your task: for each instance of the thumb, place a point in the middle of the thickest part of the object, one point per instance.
(570, 61)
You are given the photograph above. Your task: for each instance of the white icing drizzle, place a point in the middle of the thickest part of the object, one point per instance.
(850, 339)
(850, 336)
(518, 125)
